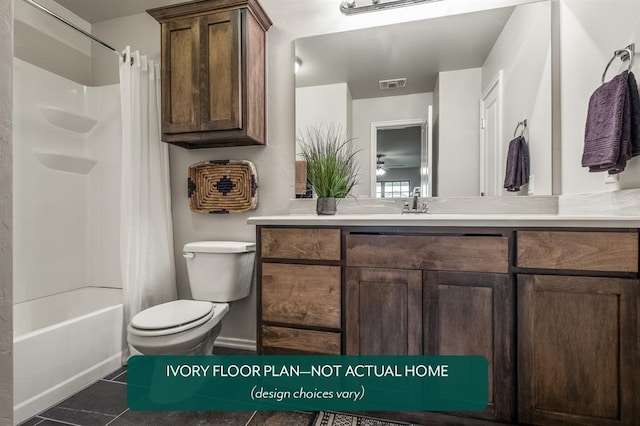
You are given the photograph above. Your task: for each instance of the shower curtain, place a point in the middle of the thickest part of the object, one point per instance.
(146, 231)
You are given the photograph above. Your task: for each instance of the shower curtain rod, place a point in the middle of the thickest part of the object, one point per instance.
(75, 27)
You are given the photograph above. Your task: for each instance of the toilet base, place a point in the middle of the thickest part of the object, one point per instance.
(204, 347)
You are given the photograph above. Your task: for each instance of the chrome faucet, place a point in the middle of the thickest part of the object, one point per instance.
(416, 195)
(414, 209)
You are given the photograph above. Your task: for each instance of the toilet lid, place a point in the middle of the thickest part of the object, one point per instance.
(171, 314)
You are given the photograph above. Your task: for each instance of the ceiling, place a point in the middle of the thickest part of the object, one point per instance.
(416, 50)
(101, 10)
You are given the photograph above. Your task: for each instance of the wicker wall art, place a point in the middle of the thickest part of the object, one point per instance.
(222, 186)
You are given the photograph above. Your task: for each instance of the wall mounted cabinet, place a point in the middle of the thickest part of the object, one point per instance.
(213, 73)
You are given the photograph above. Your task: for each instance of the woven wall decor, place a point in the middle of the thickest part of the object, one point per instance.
(222, 186)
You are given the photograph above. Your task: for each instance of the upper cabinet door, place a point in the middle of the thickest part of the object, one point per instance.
(221, 58)
(180, 76)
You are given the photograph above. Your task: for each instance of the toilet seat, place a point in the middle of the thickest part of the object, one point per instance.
(172, 317)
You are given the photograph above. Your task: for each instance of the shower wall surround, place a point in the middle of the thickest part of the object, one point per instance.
(66, 222)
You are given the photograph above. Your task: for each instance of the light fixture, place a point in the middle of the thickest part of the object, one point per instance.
(297, 65)
(348, 7)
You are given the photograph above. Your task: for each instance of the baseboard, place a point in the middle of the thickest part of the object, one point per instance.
(54, 395)
(234, 343)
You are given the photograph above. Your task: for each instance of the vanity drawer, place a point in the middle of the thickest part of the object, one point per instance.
(283, 341)
(308, 244)
(579, 251)
(435, 253)
(301, 294)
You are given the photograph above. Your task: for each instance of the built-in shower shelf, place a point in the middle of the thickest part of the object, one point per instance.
(65, 163)
(68, 120)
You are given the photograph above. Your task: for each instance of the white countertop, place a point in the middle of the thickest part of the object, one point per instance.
(476, 220)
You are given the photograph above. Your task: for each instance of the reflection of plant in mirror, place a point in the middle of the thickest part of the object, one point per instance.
(332, 170)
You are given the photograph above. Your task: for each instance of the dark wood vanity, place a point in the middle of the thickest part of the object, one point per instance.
(554, 311)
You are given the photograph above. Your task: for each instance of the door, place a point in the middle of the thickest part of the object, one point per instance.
(491, 163)
(578, 358)
(471, 313)
(383, 311)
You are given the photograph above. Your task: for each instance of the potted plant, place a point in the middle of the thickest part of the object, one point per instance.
(331, 167)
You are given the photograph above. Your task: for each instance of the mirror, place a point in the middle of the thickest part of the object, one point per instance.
(433, 104)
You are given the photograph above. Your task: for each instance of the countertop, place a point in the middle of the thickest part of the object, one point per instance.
(475, 220)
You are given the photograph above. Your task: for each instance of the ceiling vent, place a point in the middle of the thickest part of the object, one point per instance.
(395, 83)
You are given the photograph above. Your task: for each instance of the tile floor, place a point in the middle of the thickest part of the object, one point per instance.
(105, 403)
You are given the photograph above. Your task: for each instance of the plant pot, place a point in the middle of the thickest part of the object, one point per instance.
(326, 205)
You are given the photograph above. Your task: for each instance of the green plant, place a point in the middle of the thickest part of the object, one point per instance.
(332, 170)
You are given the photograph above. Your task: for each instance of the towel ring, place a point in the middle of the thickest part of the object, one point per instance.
(522, 123)
(626, 54)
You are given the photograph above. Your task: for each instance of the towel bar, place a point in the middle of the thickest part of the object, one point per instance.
(626, 54)
(522, 123)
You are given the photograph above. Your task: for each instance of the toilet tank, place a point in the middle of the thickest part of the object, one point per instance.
(219, 271)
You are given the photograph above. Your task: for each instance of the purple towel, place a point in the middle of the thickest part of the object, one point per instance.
(517, 173)
(635, 115)
(612, 130)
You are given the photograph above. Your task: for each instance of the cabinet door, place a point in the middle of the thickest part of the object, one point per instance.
(578, 350)
(383, 312)
(220, 51)
(470, 313)
(180, 76)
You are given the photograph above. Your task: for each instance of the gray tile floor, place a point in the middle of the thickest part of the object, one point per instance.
(105, 403)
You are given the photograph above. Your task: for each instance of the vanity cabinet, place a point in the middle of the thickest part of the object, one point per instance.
(213, 73)
(434, 295)
(578, 350)
(578, 328)
(555, 312)
(300, 297)
(383, 312)
(472, 314)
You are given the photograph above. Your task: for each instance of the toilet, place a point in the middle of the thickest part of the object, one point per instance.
(219, 273)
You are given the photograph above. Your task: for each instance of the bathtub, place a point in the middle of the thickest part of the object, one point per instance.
(63, 343)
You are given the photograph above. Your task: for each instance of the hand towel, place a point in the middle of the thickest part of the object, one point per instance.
(517, 172)
(635, 115)
(612, 130)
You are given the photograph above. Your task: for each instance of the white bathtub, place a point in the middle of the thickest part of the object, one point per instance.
(62, 343)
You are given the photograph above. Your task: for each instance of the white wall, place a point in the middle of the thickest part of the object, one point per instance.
(326, 104)
(6, 280)
(371, 110)
(590, 31)
(458, 138)
(523, 53)
(140, 31)
(275, 162)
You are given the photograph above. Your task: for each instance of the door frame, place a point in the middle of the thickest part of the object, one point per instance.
(373, 148)
(494, 84)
